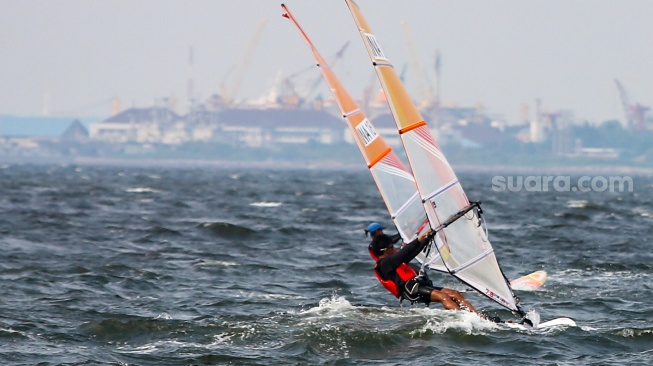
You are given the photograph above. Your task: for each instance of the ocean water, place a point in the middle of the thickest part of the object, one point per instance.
(208, 266)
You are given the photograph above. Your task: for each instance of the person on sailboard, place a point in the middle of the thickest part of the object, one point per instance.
(394, 272)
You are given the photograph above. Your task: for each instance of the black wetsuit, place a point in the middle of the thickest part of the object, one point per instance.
(416, 289)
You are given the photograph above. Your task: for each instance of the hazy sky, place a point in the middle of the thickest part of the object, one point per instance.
(83, 53)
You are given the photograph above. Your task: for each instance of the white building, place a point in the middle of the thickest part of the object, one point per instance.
(142, 125)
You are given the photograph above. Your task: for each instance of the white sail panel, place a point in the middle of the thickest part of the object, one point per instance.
(464, 249)
(398, 190)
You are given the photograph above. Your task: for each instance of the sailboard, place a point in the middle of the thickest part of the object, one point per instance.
(395, 183)
(461, 240)
(557, 322)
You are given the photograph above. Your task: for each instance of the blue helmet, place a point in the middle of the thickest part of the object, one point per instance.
(373, 227)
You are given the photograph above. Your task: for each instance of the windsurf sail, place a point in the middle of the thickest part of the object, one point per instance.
(461, 239)
(530, 282)
(395, 183)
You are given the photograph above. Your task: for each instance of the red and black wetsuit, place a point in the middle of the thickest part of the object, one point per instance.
(394, 271)
(387, 266)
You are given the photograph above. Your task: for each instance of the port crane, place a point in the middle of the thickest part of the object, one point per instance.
(228, 94)
(426, 92)
(635, 113)
(290, 95)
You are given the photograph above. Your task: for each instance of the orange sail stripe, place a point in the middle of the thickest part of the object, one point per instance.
(412, 127)
(379, 158)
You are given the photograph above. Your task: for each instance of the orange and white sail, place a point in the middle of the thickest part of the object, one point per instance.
(394, 181)
(461, 240)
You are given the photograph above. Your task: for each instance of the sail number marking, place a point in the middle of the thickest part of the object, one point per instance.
(375, 47)
(366, 132)
(495, 296)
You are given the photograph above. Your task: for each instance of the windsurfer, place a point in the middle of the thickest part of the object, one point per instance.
(394, 272)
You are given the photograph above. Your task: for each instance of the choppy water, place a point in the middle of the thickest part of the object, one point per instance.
(129, 266)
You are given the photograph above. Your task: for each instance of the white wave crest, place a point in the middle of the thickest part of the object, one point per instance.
(142, 190)
(209, 263)
(266, 204)
(440, 321)
(578, 203)
(643, 212)
(330, 305)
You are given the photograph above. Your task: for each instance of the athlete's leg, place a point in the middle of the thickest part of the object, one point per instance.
(444, 299)
(459, 299)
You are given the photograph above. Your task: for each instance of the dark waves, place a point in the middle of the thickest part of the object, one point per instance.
(113, 265)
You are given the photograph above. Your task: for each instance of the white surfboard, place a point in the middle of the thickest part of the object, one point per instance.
(557, 322)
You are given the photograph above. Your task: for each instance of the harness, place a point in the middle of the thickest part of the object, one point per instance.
(405, 272)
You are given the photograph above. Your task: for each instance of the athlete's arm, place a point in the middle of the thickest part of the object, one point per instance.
(405, 254)
(412, 249)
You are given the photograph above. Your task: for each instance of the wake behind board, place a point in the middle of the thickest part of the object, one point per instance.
(557, 322)
(530, 282)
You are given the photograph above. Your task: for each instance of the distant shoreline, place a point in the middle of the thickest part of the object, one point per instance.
(327, 165)
(558, 169)
(336, 165)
